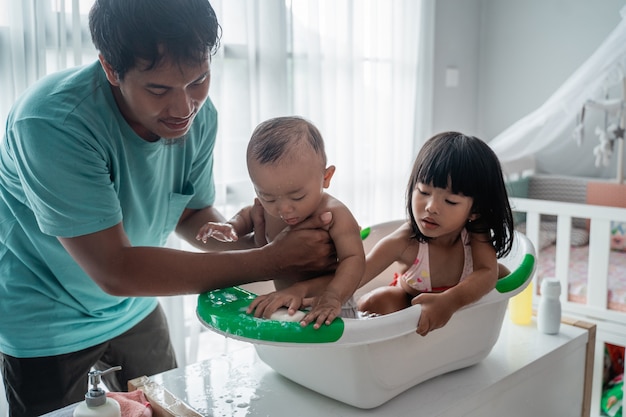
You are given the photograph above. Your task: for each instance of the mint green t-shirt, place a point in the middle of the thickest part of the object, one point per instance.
(70, 165)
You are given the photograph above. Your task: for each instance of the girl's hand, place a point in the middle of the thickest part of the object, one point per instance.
(436, 312)
(266, 305)
(224, 232)
(325, 309)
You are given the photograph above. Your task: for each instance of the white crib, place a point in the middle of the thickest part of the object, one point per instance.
(611, 323)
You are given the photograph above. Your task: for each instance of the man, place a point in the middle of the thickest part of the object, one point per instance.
(98, 166)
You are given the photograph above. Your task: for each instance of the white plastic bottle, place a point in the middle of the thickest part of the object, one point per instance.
(549, 310)
(96, 403)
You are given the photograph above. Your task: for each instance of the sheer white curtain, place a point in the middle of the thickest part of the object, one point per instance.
(355, 74)
(359, 69)
(38, 37)
(351, 67)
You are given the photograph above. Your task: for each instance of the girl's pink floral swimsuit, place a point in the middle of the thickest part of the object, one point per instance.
(418, 275)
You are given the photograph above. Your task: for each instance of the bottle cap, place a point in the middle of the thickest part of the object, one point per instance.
(551, 287)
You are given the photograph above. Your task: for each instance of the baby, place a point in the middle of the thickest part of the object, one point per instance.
(287, 165)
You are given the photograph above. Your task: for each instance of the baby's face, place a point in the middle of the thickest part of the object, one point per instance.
(290, 189)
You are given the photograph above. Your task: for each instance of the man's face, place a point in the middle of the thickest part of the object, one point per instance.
(161, 102)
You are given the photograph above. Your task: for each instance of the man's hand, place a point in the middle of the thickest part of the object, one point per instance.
(306, 247)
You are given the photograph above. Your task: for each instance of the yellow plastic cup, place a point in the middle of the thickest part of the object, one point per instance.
(521, 306)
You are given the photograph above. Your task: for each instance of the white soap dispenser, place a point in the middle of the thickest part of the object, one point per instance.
(96, 403)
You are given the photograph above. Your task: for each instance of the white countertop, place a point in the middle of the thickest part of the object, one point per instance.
(240, 384)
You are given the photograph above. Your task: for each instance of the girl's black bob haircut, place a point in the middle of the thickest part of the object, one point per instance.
(469, 167)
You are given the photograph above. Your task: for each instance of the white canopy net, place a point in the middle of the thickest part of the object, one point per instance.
(566, 119)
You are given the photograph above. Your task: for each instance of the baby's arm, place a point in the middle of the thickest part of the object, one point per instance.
(438, 308)
(387, 251)
(293, 297)
(345, 233)
(249, 219)
(224, 232)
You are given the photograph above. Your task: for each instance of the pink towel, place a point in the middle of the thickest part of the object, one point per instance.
(132, 404)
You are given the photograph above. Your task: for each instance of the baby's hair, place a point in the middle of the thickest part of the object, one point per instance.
(275, 138)
(471, 168)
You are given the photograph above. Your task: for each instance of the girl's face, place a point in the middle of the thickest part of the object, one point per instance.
(290, 189)
(438, 212)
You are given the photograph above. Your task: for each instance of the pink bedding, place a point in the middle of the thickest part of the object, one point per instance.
(579, 258)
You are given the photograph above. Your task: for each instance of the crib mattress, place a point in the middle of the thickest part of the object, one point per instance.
(578, 264)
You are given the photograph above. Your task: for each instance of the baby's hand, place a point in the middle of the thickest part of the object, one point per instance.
(224, 232)
(266, 305)
(325, 309)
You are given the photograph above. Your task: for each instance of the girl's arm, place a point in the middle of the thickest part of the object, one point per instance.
(437, 308)
(387, 251)
(484, 277)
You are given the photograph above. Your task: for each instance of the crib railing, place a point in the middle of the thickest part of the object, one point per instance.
(600, 218)
(611, 324)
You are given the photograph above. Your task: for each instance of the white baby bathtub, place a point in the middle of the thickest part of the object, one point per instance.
(367, 362)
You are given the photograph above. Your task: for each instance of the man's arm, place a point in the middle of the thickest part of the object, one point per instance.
(122, 269)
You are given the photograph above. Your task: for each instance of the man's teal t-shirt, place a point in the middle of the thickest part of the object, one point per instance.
(70, 165)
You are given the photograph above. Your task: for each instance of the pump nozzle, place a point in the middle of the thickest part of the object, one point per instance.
(96, 396)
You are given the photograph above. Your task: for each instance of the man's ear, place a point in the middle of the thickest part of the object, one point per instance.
(111, 74)
(328, 174)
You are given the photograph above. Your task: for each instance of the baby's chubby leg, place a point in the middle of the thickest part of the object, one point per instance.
(384, 300)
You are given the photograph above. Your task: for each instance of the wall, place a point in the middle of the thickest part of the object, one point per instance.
(530, 48)
(512, 55)
(457, 46)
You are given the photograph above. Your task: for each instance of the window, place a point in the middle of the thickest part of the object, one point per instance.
(350, 66)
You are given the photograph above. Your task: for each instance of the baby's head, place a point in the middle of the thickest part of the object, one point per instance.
(468, 166)
(287, 165)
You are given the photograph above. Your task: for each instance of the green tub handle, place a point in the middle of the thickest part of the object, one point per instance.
(517, 277)
(225, 311)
